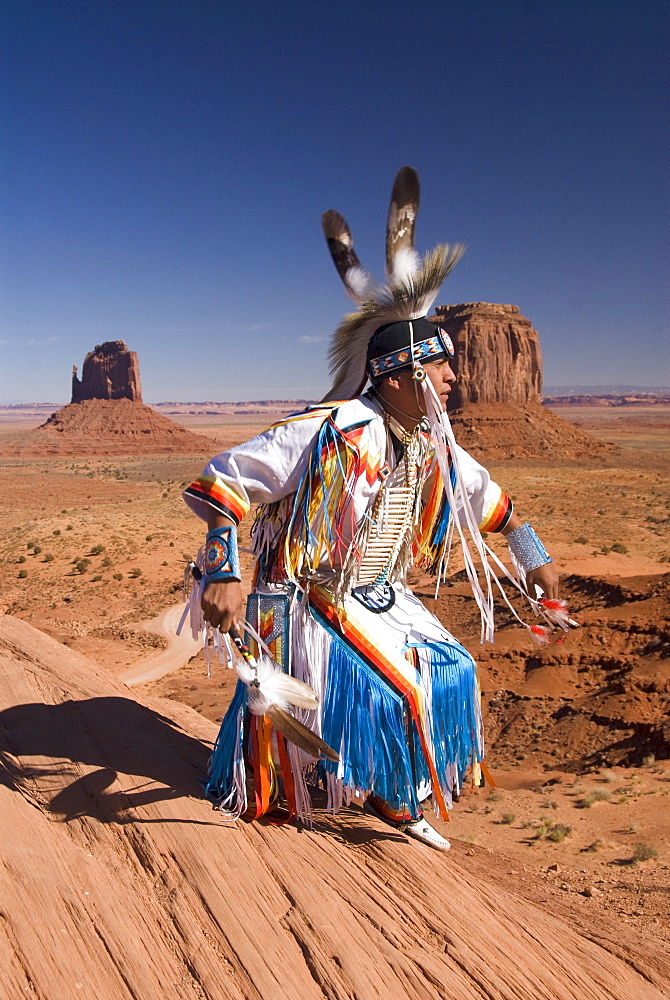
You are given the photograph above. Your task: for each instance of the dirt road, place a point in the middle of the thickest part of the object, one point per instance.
(181, 649)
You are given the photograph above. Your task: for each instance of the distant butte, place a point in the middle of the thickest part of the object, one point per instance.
(110, 371)
(107, 415)
(495, 404)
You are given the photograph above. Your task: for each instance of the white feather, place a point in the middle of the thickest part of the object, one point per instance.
(406, 263)
(359, 283)
(269, 686)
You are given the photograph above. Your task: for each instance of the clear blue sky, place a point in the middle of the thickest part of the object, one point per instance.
(166, 164)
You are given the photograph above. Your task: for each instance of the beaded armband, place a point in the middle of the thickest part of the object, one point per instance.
(527, 548)
(222, 561)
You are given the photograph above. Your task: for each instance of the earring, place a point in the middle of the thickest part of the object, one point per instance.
(419, 374)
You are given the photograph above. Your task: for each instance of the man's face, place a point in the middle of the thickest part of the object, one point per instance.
(409, 395)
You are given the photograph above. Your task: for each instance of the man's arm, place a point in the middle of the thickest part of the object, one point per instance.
(221, 599)
(545, 576)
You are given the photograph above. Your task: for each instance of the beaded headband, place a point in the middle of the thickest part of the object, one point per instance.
(425, 350)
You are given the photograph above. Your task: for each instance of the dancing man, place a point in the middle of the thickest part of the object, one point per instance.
(349, 495)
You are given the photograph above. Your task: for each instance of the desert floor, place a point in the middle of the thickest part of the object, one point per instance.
(578, 735)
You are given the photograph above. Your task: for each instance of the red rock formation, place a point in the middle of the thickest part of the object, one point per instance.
(498, 357)
(495, 405)
(110, 371)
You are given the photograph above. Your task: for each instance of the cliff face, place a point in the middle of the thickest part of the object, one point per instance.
(110, 371)
(498, 357)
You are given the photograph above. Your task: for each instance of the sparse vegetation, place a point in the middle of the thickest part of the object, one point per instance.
(57, 531)
(508, 818)
(81, 565)
(620, 548)
(31, 545)
(597, 795)
(106, 561)
(558, 832)
(23, 573)
(582, 540)
(49, 557)
(643, 852)
(118, 576)
(97, 550)
(135, 572)
(21, 559)
(37, 549)
(69, 527)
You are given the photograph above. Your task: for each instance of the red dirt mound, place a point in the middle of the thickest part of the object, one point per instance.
(120, 882)
(502, 430)
(107, 427)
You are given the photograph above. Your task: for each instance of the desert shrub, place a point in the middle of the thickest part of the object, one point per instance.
(96, 579)
(605, 549)
(558, 832)
(106, 561)
(21, 559)
(508, 818)
(37, 549)
(597, 795)
(643, 852)
(171, 545)
(81, 565)
(496, 795)
(57, 531)
(31, 545)
(118, 576)
(582, 539)
(48, 557)
(23, 573)
(135, 572)
(620, 548)
(69, 527)
(164, 563)
(97, 550)
(149, 538)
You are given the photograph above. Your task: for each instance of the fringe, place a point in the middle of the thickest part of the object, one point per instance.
(365, 721)
(226, 775)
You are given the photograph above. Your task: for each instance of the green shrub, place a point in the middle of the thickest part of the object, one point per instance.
(57, 531)
(97, 550)
(558, 832)
(21, 559)
(37, 549)
(643, 852)
(48, 557)
(164, 563)
(31, 545)
(81, 565)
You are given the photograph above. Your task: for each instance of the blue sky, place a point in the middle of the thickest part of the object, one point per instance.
(166, 164)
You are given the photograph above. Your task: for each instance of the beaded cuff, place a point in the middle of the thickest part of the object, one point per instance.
(527, 548)
(222, 561)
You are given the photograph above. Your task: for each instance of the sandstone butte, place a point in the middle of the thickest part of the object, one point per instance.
(118, 880)
(106, 415)
(495, 405)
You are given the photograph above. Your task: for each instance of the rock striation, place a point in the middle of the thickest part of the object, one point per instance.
(110, 371)
(495, 404)
(498, 356)
(120, 883)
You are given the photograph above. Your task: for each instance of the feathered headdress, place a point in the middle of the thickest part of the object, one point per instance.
(412, 283)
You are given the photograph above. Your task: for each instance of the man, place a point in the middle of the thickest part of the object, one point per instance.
(350, 494)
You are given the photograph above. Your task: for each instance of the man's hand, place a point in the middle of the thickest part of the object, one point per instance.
(545, 577)
(221, 602)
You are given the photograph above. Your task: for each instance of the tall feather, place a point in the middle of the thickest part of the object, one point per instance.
(358, 282)
(401, 258)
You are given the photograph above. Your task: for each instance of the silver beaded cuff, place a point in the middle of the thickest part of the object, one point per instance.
(527, 548)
